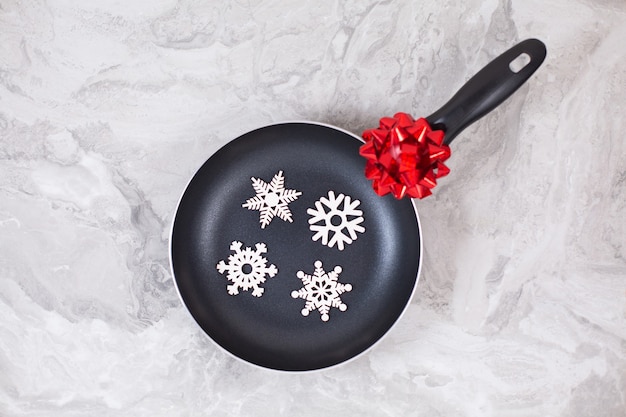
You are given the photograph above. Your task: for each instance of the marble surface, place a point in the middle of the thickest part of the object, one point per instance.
(108, 107)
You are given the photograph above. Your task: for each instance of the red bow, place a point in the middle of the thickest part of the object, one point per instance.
(404, 156)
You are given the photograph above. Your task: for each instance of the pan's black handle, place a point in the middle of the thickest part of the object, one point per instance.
(487, 89)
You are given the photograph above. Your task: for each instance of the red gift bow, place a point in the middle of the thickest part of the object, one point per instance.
(404, 156)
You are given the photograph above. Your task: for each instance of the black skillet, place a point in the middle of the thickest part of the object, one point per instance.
(381, 265)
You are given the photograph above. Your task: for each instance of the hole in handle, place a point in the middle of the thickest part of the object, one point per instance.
(519, 63)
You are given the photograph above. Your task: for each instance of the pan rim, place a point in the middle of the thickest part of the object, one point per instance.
(240, 359)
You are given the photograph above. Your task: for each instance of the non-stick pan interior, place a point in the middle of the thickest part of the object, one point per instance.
(381, 265)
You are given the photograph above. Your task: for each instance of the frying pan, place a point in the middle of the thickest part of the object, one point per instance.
(285, 256)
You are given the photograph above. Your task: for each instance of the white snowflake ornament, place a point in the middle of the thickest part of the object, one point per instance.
(321, 291)
(247, 268)
(336, 220)
(271, 199)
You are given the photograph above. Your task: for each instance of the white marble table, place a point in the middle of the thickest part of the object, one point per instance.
(107, 108)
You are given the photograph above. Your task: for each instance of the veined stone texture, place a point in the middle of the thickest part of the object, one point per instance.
(107, 108)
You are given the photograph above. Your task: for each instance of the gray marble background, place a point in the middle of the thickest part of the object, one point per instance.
(108, 107)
